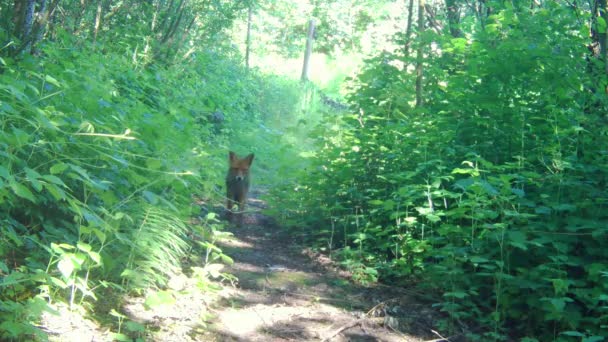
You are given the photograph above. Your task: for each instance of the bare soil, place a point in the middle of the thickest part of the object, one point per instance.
(283, 293)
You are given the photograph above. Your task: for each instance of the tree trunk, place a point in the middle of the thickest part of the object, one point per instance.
(603, 36)
(42, 19)
(28, 23)
(97, 20)
(419, 56)
(408, 30)
(248, 41)
(453, 17)
(311, 31)
(173, 26)
(18, 8)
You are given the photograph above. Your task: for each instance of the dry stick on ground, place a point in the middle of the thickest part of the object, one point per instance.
(344, 327)
(355, 322)
(360, 322)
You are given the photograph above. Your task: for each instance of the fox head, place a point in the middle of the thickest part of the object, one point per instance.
(239, 167)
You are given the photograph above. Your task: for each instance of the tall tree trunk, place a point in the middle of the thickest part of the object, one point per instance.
(97, 20)
(419, 56)
(248, 41)
(23, 20)
(18, 8)
(408, 30)
(28, 23)
(603, 36)
(311, 31)
(42, 19)
(175, 24)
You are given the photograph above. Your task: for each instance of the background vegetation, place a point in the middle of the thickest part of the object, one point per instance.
(471, 161)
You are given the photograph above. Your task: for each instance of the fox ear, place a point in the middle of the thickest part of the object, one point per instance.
(250, 158)
(231, 156)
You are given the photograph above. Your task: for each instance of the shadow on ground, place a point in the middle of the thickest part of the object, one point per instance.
(284, 295)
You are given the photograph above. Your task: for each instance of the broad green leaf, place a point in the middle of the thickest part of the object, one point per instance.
(456, 294)
(66, 266)
(51, 80)
(5, 174)
(33, 177)
(121, 337)
(3, 267)
(517, 239)
(22, 191)
(154, 164)
(55, 191)
(478, 260)
(58, 168)
(58, 282)
(601, 24)
(85, 247)
(159, 298)
(54, 179)
(96, 257)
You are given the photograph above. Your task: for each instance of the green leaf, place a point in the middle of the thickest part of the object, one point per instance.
(55, 191)
(478, 260)
(66, 266)
(54, 179)
(58, 168)
(58, 282)
(601, 25)
(22, 191)
(121, 337)
(33, 177)
(593, 339)
(154, 164)
(159, 298)
(456, 294)
(85, 247)
(517, 239)
(95, 257)
(3, 267)
(5, 174)
(51, 80)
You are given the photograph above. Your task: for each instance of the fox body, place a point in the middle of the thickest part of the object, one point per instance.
(237, 180)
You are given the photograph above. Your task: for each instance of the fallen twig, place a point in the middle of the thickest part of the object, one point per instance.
(441, 338)
(344, 327)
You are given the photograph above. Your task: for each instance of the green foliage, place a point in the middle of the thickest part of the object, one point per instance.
(493, 194)
(157, 246)
(100, 160)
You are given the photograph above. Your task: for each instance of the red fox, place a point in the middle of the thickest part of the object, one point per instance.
(237, 181)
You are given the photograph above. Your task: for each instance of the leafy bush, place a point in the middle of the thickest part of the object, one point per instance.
(101, 159)
(491, 194)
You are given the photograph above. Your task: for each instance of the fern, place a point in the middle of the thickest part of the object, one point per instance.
(157, 246)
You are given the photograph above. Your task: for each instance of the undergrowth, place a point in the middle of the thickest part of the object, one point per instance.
(491, 196)
(103, 157)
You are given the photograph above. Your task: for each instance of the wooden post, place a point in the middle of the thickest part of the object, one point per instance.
(309, 39)
(248, 42)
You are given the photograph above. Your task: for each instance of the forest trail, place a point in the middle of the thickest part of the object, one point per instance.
(287, 294)
(283, 293)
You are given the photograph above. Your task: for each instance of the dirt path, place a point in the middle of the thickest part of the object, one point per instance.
(284, 294)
